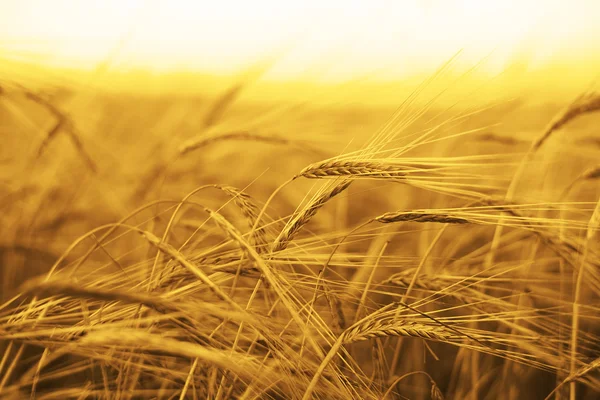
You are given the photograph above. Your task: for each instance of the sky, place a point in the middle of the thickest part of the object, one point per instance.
(324, 40)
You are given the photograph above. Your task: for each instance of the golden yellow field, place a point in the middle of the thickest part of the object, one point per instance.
(241, 243)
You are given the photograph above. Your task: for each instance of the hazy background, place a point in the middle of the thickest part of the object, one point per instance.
(516, 46)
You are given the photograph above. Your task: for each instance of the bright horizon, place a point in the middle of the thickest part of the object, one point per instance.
(320, 41)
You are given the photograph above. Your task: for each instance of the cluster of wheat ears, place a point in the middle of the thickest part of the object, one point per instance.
(181, 300)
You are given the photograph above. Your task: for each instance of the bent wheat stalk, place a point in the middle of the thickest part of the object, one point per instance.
(299, 220)
(200, 141)
(581, 106)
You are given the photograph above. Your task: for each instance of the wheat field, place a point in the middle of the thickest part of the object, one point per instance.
(194, 247)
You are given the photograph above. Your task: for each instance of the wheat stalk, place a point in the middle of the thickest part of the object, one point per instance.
(589, 174)
(575, 376)
(420, 216)
(64, 123)
(353, 168)
(250, 210)
(200, 141)
(242, 364)
(583, 105)
(373, 328)
(302, 218)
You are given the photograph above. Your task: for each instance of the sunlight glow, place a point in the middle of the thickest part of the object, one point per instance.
(316, 38)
